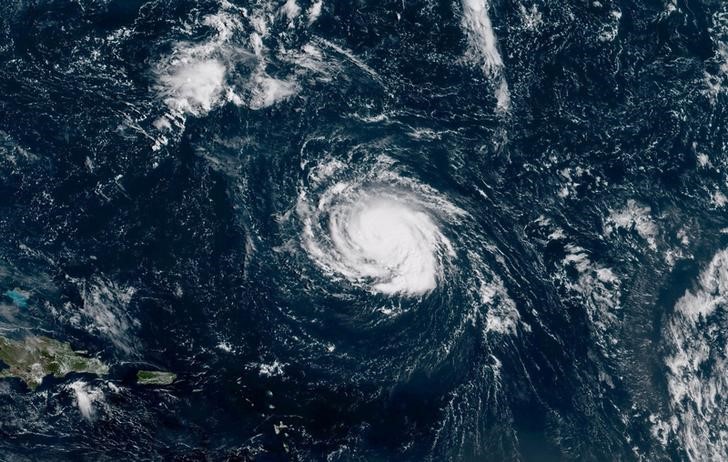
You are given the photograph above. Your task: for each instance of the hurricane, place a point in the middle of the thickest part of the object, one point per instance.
(381, 233)
(353, 231)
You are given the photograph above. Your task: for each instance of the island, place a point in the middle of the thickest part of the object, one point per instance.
(35, 357)
(155, 377)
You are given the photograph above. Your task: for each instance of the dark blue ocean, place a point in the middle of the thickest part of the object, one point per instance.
(475, 230)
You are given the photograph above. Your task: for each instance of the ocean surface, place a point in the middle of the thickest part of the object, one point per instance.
(367, 230)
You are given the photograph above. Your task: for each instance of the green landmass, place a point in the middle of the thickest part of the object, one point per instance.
(35, 357)
(155, 377)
